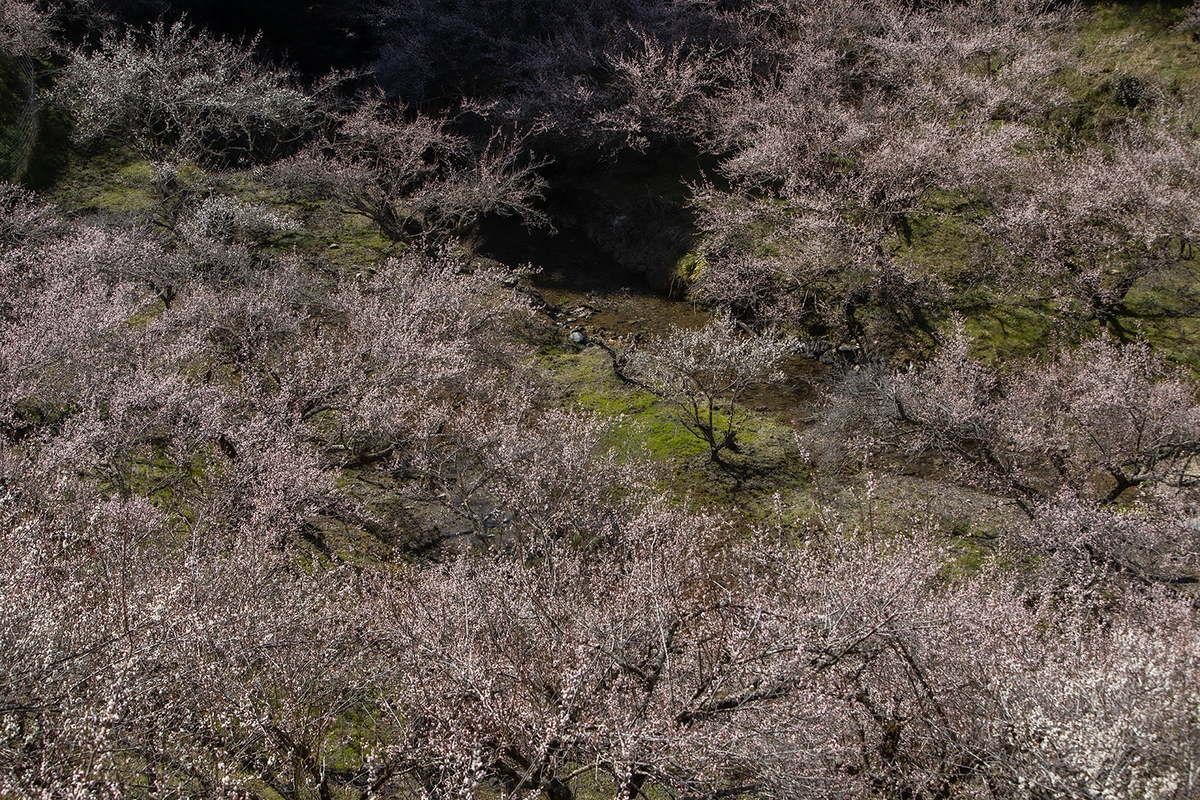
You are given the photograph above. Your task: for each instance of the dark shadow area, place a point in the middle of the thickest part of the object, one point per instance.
(312, 37)
(623, 222)
(565, 260)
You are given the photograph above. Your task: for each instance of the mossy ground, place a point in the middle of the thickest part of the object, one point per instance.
(1142, 40)
(1134, 63)
(647, 428)
(110, 180)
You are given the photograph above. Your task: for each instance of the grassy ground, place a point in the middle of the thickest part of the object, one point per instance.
(1134, 63)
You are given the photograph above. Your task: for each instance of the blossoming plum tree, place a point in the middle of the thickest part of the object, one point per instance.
(177, 93)
(1097, 446)
(704, 372)
(415, 177)
(1110, 219)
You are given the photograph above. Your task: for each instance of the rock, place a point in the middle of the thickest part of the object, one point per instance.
(511, 281)
(578, 337)
(830, 354)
